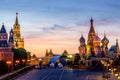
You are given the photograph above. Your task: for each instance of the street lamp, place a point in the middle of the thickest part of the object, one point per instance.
(28, 61)
(8, 63)
(113, 71)
(17, 61)
(23, 60)
(118, 77)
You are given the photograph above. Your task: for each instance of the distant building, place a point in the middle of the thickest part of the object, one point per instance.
(47, 57)
(18, 41)
(114, 50)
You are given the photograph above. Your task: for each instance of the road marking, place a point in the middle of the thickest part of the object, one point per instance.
(47, 75)
(61, 75)
(87, 77)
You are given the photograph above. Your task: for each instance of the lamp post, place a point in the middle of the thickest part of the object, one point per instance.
(28, 61)
(9, 63)
(17, 62)
(112, 72)
(23, 60)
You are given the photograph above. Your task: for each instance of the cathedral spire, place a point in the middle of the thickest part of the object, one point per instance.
(116, 42)
(104, 34)
(91, 28)
(16, 21)
(117, 46)
(91, 34)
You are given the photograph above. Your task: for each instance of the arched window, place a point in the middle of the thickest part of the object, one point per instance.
(2, 45)
(4, 37)
(1, 37)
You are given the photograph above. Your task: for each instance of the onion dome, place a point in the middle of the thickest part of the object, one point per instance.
(97, 39)
(82, 39)
(105, 40)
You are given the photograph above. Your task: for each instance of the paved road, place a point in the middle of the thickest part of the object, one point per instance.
(60, 74)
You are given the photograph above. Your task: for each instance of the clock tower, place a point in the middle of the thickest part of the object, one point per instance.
(18, 41)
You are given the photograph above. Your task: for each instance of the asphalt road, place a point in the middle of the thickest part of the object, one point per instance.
(60, 74)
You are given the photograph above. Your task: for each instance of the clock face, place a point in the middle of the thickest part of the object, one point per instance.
(18, 35)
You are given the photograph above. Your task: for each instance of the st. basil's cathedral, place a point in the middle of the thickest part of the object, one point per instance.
(93, 48)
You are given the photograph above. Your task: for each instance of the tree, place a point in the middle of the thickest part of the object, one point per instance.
(77, 59)
(19, 54)
(3, 67)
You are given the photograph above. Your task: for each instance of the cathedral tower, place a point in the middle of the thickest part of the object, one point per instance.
(117, 47)
(82, 47)
(104, 47)
(91, 34)
(18, 41)
(91, 37)
(96, 46)
(11, 39)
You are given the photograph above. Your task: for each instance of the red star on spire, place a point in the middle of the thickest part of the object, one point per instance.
(16, 13)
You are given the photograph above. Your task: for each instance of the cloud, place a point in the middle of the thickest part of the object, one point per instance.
(56, 27)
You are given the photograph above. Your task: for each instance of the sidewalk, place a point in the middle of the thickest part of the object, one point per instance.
(11, 73)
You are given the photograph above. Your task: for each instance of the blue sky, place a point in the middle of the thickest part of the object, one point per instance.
(58, 24)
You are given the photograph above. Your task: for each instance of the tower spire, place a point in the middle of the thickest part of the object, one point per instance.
(91, 34)
(116, 42)
(117, 46)
(16, 21)
(91, 27)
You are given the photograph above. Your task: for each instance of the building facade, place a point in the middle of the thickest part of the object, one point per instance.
(82, 47)
(104, 46)
(47, 57)
(5, 48)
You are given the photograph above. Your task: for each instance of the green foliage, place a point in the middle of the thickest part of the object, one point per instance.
(3, 67)
(77, 59)
(19, 54)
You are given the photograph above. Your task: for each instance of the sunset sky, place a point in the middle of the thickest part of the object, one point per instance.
(58, 24)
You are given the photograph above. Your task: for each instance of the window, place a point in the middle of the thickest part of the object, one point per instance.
(2, 45)
(4, 36)
(1, 37)
(5, 45)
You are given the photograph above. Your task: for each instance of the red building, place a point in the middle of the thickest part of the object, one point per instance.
(5, 49)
